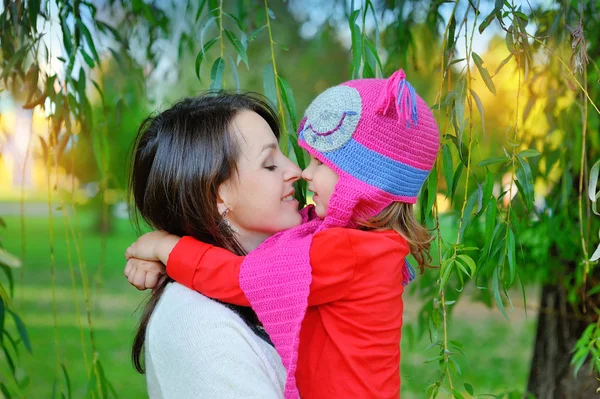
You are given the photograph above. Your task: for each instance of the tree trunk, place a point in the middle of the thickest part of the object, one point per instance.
(559, 328)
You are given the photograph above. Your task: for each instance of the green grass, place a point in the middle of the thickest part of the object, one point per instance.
(113, 316)
(497, 350)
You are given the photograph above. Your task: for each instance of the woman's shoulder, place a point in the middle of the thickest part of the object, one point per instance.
(183, 306)
(187, 320)
(197, 347)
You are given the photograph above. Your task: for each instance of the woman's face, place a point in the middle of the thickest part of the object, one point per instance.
(260, 196)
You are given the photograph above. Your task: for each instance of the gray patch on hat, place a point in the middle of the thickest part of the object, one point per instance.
(332, 117)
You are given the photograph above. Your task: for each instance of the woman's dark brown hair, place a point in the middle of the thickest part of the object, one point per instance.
(180, 158)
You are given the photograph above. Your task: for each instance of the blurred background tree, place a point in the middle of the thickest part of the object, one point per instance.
(512, 200)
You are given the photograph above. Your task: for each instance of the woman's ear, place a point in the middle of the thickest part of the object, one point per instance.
(224, 196)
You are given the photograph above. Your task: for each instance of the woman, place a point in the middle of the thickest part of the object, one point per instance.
(210, 167)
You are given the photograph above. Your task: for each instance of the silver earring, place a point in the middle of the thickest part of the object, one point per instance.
(227, 222)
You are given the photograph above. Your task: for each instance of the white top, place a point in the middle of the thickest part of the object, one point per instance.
(198, 348)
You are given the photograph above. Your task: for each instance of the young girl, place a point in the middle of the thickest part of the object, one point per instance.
(329, 292)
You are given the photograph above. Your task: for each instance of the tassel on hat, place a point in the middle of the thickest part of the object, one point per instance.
(399, 92)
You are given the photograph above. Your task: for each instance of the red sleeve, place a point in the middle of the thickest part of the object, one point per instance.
(215, 271)
(210, 270)
(333, 263)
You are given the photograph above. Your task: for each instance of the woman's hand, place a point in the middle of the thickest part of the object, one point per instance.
(143, 274)
(153, 246)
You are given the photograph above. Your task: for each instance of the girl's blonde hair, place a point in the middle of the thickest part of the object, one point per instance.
(400, 217)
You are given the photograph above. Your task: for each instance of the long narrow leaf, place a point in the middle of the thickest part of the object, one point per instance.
(202, 54)
(237, 45)
(485, 75)
(288, 100)
(21, 330)
(216, 74)
(448, 167)
(593, 185)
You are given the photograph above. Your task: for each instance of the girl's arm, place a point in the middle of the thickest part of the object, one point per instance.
(214, 271)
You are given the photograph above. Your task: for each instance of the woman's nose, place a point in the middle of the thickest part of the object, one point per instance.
(293, 173)
(306, 175)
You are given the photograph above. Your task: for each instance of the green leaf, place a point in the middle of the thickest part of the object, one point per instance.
(205, 27)
(239, 47)
(8, 358)
(454, 365)
(216, 74)
(33, 9)
(480, 109)
(593, 184)
(200, 9)
(525, 181)
(105, 383)
(485, 75)
(21, 329)
(469, 389)
(90, 42)
(496, 292)
(357, 38)
(470, 263)
(490, 221)
(529, 153)
(373, 51)
(457, 395)
(213, 8)
(11, 281)
(503, 63)
(445, 272)
(67, 380)
(2, 317)
(236, 20)
(522, 15)
(492, 160)
(288, 100)
(487, 21)
(5, 391)
(448, 166)
(434, 359)
(254, 34)
(202, 54)
(15, 60)
(234, 73)
(88, 60)
(510, 251)
(432, 182)
(456, 179)
(596, 255)
(66, 35)
(488, 189)
(269, 84)
(451, 34)
(99, 92)
(468, 212)
(8, 259)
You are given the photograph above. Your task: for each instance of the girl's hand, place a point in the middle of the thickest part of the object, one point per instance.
(143, 274)
(153, 246)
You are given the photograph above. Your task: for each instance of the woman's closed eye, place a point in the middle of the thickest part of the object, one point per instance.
(271, 167)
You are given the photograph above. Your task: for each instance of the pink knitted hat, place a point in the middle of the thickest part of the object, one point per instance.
(379, 136)
(382, 140)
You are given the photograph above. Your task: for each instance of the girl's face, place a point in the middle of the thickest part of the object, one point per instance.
(321, 181)
(260, 197)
